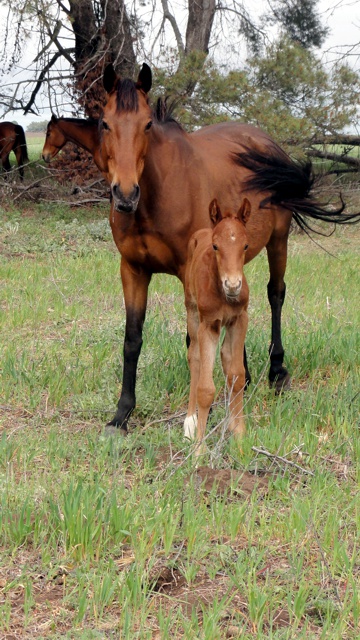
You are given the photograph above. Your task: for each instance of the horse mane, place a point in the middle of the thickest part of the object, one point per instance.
(80, 121)
(164, 109)
(126, 95)
(291, 184)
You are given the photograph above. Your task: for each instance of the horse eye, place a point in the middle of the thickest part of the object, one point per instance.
(215, 247)
(148, 126)
(105, 125)
(246, 247)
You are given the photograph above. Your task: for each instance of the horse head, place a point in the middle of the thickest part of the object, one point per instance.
(54, 140)
(124, 131)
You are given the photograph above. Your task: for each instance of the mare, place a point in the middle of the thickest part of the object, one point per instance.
(82, 132)
(216, 295)
(162, 180)
(12, 138)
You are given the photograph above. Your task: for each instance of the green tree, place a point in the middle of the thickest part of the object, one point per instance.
(37, 127)
(299, 21)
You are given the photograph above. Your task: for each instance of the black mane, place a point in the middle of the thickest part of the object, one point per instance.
(163, 112)
(80, 121)
(126, 96)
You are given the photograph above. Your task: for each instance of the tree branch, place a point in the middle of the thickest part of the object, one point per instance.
(335, 157)
(172, 20)
(40, 81)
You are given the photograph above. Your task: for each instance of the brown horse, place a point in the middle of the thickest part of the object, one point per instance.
(162, 180)
(216, 295)
(80, 131)
(12, 138)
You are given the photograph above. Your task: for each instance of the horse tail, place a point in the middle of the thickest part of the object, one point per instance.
(21, 142)
(290, 184)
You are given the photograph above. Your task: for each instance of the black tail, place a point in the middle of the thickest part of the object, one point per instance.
(21, 142)
(290, 184)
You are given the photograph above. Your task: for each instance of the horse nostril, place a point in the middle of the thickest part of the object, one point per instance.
(116, 192)
(136, 192)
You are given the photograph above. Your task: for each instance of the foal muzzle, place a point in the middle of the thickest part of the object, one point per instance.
(232, 289)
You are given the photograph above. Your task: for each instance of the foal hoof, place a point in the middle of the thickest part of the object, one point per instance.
(281, 384)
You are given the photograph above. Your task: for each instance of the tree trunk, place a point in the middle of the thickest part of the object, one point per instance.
(200, 21)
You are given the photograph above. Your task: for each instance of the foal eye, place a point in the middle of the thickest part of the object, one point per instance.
(105, 125)
(215, 247)
(246, 247)
(148, 126)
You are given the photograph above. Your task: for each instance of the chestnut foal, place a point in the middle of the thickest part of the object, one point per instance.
(216, 295)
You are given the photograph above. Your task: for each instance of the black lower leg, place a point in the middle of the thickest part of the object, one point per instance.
(247, 372)
(279, 377)
(132, 348)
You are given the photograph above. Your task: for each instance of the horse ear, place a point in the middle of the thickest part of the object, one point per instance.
(144, 80)
(215, 212)
(244, 211)
(110, 78)
(53, 118)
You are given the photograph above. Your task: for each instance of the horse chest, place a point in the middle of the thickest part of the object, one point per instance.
(144, 248)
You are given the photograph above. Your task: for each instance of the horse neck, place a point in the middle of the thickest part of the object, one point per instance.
(157, 162)
(83, 134)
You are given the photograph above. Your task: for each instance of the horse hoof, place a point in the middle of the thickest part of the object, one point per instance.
(281, 384)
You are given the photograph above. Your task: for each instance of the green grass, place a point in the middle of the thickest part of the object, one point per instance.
(104, 539)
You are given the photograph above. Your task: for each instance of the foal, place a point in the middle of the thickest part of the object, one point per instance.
(216, 295)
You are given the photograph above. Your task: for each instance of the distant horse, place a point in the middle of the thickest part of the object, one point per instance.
(216, 295)
(12, 138)
(162, 180)
(80, 131)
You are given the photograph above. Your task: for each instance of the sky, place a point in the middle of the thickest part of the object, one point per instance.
(341, 16)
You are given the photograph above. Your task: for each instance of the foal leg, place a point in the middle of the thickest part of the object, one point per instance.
(208, 337)
(279, 377)
(135, 287)
(190, 422)
(235, 373)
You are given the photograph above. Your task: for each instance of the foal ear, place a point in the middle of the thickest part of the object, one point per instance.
(110, 78)
(53, 118)
(244, 211)
(144, 80)
(215, 212)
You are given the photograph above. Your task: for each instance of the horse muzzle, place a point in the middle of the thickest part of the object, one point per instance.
(125, 204)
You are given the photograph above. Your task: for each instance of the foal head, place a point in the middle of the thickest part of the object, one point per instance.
(124, 130)
(54, 140)
(230, 243)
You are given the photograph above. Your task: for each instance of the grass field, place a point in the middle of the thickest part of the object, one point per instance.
(106, 539)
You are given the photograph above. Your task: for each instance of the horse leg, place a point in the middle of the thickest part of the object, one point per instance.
(135, 287)
(6, 164)
(247, 372)
(208, 337)
(18, 155)
(190, 422)
(279, 377)
(234, 370)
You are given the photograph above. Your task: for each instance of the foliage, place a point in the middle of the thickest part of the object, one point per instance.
(287, 92)
(299, 21)
(37, 127)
